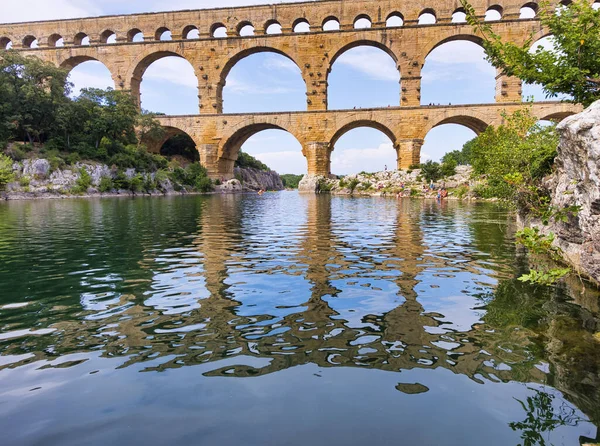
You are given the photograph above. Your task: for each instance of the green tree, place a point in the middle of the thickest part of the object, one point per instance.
(245, 160)
(572, 67)
(30, 93)
(291, 181)
(431, 171)
(461, 157)
(6, 171)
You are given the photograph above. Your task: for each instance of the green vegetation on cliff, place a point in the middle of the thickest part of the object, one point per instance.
(248, 161)
(39, 119)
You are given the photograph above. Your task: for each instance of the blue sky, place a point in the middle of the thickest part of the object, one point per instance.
(362, 77)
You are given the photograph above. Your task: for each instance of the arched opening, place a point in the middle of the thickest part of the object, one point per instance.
(449, 136)
(108, 36)
(179, 147)
(456, 72)
(494, 13)
(167, 84)
(427, 17)
(535, 92)
(218, 31)
(529, 11)
(277, 149)
(191, 32)
(163, 34)
(30, 42)
(263, 80)
(268, 143)
(81, 39)
(394, 20)
(356, 84)
(459, 16)
(56, 40)
(331, 24)
(245, 29)
(362, 21)
(555, 118)
(5, 43)
(363, 147)
(135, 35)
(88, 73)
(301, 26)
(273, 27)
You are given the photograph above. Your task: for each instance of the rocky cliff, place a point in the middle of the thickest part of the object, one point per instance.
(577, 183)
(254, 179)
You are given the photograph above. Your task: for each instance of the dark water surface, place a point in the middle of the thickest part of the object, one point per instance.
(285, 320)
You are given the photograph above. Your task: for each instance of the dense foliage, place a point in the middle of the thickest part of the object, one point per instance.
(460, 157)
(514, 157)
(572, 67)
(248, 161)
(291, 181)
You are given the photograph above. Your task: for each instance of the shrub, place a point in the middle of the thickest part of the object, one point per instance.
(136, 183)
(353, 183)
(121, 181)
(461, 191)
(203, 184)
(72, 159)
(83, 183)
(106, 185)
(448, 168)
(15, 152)
(431, 171)
(24, 181)
(6, 171)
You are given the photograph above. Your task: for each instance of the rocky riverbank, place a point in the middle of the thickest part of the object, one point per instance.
(400, 183)
(36, 178)
(576, 182)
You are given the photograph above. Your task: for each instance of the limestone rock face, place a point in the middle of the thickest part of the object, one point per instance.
(577, 183)
(230, 186)
(255, 179)
(36, 168)
(310, 184)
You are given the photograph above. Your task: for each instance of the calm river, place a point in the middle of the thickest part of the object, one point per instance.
(285, 320)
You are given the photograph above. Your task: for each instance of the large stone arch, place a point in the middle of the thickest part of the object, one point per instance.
(471, 121)
(347, 46)
(74, 61)
(240, 55)
(459, 35)
(232, 143)
(147, 58)
(362, 123)
(154, 145)
(340, 50)
(557, 116)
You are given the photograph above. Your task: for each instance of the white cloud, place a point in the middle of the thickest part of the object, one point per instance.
(89, 80)
(238, 86)
(173, 70)
(63, 9)
(47, 10)
(280, 63)
(373, 62)
(370, 160)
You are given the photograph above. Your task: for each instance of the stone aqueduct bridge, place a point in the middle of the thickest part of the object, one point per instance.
(218, 136)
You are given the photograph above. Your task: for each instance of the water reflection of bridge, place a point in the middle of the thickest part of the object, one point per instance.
(354, 298)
